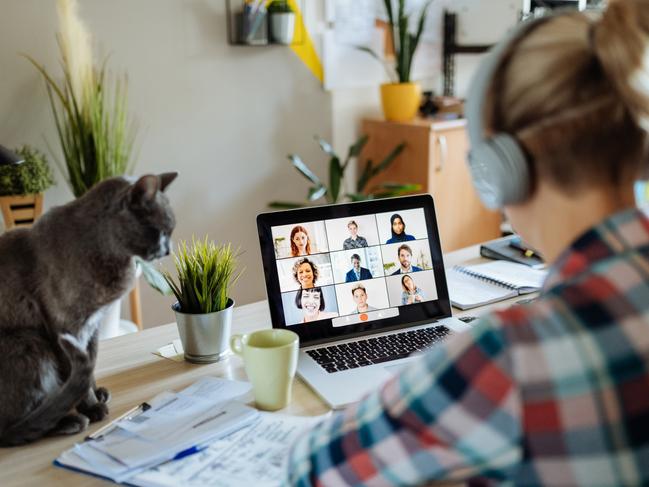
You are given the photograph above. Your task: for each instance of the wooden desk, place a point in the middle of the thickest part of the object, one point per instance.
(128, 368)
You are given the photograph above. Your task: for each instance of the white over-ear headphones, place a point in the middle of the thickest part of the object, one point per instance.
(498, 164)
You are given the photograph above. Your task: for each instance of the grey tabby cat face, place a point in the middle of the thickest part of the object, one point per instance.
(148, 218)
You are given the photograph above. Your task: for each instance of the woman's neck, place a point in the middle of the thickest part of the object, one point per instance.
(552, 220)
(362, 307)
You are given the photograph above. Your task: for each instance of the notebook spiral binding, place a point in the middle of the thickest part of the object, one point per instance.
(482, 277)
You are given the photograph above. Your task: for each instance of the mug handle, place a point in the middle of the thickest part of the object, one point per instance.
(236, 344)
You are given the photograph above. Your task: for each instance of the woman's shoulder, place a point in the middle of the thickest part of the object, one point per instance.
(410, 237)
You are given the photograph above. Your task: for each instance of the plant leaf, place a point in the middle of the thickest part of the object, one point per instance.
(389, 159)
(355, 149)
(359, 196)
(317, 192)
(390, 70)
(387, 190)
(365, 176)
(326, 146)
(154, 277)
(335, 179)
(304, 169)
(285, 205)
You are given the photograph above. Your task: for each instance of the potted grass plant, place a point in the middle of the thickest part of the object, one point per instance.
(22, 187)
(401, 97)
(205, 273)
(94, 129)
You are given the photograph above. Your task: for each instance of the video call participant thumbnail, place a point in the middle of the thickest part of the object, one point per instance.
(404, 252)
(305, 273)
(398, 228)
(355, 241)
(359, 294)
(357, 273)
(300, 241)
(312, 303)
(411, 292)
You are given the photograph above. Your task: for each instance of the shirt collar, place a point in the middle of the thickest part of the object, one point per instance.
(626, 230)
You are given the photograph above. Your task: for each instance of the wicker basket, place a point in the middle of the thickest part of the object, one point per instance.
(21, 211)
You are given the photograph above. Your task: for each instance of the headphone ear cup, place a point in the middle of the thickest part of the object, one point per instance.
(499, 171)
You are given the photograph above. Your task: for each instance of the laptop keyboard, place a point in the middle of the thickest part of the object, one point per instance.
(377, 350)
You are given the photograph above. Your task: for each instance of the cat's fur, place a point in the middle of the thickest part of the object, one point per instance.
(55, 280)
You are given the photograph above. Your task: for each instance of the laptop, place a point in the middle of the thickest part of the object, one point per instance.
(362, 284)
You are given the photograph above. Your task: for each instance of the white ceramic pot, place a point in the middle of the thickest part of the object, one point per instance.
(109, 325)
(282, 27)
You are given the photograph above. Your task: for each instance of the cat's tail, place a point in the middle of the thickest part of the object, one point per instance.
(46, 416)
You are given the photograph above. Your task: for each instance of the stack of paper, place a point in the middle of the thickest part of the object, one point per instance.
(175, 426)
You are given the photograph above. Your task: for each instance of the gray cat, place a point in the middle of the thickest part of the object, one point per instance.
(55, 278)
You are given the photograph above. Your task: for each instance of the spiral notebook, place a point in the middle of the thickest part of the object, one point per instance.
(476, 285)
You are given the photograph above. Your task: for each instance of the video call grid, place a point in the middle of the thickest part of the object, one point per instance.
(337, 285)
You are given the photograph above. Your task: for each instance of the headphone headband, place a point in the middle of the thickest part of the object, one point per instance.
(498, 164)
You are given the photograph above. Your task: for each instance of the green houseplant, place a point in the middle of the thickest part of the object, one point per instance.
(22, 187)
(282, 21)
(94, 130)
(334, 191)
(401, 97)
(204, 274)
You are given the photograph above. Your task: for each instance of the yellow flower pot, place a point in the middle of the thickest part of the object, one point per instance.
(400, 101)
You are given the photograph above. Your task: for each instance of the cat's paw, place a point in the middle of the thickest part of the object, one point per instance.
(103, 395)
(70, 424)
(94, 413)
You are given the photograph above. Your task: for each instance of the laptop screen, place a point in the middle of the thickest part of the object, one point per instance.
(348, 269)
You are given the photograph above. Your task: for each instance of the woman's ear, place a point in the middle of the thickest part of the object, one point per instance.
(166, 179)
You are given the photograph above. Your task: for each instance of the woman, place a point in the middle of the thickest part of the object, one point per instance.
(355, 241)
(300, 241)
(359, 293)
(312, 303)
(411, 293)
(398, 228)
(553, 392)
(305, 273)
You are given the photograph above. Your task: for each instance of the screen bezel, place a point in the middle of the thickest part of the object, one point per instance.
(323, 331)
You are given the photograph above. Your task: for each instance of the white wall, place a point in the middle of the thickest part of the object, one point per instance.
(224, 116)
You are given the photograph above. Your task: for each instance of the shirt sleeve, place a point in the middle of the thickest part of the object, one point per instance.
(452, 415)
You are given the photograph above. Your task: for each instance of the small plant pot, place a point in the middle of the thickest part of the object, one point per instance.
(21, 211)
(205, 337)
(400, 101)
(282, 27)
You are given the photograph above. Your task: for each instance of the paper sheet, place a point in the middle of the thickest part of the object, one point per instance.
(173, 351)
(255, 455)
(176, 421)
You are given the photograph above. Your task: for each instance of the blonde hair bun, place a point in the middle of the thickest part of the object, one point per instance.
(621, 43)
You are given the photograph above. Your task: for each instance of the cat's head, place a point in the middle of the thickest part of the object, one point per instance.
(150, 219)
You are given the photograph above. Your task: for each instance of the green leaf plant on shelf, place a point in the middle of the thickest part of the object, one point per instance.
(334, 192)
(32, 176)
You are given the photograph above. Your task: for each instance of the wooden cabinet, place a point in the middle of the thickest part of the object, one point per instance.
(435, 157)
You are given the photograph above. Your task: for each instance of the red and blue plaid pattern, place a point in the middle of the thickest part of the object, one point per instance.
(555, 392)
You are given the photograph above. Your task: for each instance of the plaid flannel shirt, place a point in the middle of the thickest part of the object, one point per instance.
(554, 392)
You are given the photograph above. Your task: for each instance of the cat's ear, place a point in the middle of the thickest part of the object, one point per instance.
(166, 179)
(144, 189)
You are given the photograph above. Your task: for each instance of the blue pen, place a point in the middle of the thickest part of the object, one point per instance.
(189, 451)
